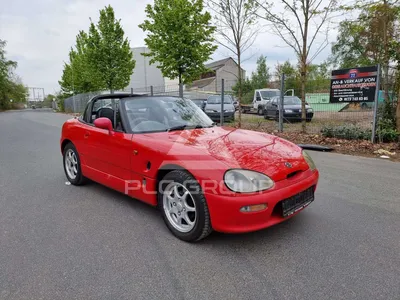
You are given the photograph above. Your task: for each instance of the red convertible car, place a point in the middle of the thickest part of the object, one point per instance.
(165, 151)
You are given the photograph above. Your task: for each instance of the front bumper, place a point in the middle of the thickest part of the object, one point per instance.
(225, 210)
(216, 116)
(296, 116)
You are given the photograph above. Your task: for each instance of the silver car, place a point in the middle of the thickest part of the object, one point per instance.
(213, 108)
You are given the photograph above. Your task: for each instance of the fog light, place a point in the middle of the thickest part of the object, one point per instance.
(253, 208)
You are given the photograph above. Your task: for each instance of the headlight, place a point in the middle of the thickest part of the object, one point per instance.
(209, 110)
(309, 110)
(309, 160)
(230, 110)
(245, 181)
(288, 111)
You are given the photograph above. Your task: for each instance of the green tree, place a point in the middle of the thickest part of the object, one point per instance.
(108, 52)
(11, 87)
(260, 78)
(78, 75)
(180, 38)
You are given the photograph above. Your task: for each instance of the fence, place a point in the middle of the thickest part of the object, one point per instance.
(342, 120)
(77, 103)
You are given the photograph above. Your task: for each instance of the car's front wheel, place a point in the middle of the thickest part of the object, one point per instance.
(72, 165)
(184, 207)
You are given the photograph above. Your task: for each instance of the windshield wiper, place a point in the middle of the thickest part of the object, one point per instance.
(185, 126)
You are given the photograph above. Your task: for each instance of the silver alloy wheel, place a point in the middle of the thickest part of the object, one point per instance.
(71, 164)
(179, 207)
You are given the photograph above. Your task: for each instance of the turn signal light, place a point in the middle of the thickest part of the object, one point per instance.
(254, 208)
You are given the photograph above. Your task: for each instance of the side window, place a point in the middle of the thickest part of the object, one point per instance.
(107, 108)
(258, 97)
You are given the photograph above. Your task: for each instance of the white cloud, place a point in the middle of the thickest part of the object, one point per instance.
(40, 33)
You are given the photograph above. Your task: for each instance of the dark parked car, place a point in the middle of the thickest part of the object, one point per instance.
(213, 108)
(200, 103)
(291, 109)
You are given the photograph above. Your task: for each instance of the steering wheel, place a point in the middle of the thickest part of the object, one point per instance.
(137, 121)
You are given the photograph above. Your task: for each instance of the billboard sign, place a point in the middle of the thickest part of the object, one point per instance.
(353, 85)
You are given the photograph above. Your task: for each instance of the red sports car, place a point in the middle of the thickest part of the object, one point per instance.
(165, 151)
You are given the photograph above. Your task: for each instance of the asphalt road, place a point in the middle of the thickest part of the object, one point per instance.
(64, 242)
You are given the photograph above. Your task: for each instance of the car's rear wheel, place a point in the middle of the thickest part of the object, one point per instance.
(72, 165)
(184, 207)
(260, 110)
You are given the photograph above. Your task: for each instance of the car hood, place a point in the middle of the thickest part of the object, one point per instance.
(243, 149)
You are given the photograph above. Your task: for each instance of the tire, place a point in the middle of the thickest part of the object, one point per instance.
(194, 208)
(265, 117)
(260, 111)
(68, 155)
(308, 120)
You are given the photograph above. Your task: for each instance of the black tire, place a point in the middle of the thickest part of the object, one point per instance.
(260, 111)
(308, 120)
(202, 227)
(79, 179)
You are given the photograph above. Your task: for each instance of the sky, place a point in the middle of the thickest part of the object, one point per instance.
(40, 33)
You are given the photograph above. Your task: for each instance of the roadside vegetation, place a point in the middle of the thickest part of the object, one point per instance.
(12, 91)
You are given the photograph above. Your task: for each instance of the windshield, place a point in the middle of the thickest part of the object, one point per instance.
(198, 101)
(269, 94)
(155, 114)
(217, 100)
(292, 100)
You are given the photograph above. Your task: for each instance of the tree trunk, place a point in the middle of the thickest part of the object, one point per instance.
(180, 85)
(240, 89)
(398, 113)
(386, 55)
(303, 71)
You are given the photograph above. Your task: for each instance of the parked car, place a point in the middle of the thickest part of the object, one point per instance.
(213, 108)
(200, 103)
(291, 109)
(166, 152)
(260, 99)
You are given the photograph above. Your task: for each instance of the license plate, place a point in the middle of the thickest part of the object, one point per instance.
(297, 202)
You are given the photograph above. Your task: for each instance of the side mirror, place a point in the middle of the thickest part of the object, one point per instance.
(103, 123)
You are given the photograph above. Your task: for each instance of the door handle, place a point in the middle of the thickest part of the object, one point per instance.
(87, 134)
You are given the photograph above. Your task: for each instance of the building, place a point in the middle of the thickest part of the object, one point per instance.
(222, 69)
(146, 75)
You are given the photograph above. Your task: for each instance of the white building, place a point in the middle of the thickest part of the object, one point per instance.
(146, 75)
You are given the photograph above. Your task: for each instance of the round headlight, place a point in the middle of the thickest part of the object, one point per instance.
(245, 181)
(309, 160)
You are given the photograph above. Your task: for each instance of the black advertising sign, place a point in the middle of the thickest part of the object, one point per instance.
(353, 85)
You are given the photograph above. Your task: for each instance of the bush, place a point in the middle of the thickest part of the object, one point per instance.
(348, 132)
(386, 131)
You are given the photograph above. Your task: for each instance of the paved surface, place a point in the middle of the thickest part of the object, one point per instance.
(66, 242)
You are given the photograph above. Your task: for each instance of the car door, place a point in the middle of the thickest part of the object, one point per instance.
(108, 153)
(257, 100)
(272, 107)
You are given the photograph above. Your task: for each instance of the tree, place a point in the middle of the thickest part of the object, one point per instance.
(349, 50)
(292, 76)
(260, 78)
(108, 51)
(237, 32)
(370, 39)
(299, 26)
(78, 75)
(11, 87)
(180, 38)
(102, 58)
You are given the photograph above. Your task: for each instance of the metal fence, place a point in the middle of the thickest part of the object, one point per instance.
(77, 103)
(342, 120)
